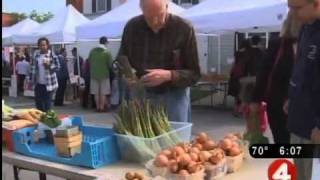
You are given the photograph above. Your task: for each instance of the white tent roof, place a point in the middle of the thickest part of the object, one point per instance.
(112, 23)
(234, 15)
(59, 29)
(21, 27)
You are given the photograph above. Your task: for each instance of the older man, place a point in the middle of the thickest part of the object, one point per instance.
(304, 90)
(162, 48)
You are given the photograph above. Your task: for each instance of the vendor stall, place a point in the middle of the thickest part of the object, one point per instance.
(141, 143)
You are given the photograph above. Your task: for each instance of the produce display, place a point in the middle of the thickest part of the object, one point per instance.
(145, 130)
(18, 118)
(50, 119)
(202, 158)
(134, 176)
(145, 133)
(141, 118)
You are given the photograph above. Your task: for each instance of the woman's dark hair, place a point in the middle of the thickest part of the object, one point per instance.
(245, 44)
(43, 39)
(255, 40)
(103, 40)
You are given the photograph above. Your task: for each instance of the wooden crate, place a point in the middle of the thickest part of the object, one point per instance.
(68, 141)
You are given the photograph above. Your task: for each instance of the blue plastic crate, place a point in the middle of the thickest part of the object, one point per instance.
(99, 146)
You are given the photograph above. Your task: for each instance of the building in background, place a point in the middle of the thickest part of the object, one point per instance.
(8, 19)
(94, 8)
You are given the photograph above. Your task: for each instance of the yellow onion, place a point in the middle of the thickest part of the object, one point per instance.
(226, 144)
(204, 156)
(183, 172)
(209, 145)
(161, 161)
(234, 151)
(130, 175)
(167, 153)
(194, 157)
(198, 145)
(173, 166)
(202, 137)
(184, 159)
(194, 150)
(178, 150)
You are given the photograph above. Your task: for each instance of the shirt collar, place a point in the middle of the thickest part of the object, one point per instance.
(316, 24)
(168, 20)
(102, 46)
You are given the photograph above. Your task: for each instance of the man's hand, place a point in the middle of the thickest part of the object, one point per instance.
(286, 106)
(155, 77)
(315, 135)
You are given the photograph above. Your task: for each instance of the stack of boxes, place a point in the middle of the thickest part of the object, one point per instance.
(68, 141)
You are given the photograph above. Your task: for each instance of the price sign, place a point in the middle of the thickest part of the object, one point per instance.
(282, 169)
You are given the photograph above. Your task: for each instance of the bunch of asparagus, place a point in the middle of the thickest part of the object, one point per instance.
(143, 119)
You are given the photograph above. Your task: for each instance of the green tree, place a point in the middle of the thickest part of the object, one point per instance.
(19, 16)
(34, 15)
(40, 18)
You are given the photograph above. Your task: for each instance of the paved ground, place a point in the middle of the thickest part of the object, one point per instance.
(215, 121)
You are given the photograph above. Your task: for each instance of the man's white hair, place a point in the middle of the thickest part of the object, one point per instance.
(164, 1)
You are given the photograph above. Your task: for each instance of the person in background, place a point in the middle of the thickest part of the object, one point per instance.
(63, 76)
(273, 78)
(76, 68)
(256, 55)
(27, 55)
(162, 48)
(43, 75)
(251, 67)
(6, 69)
(22, 70)
(303, 105)
(100, 61)
(238, 71)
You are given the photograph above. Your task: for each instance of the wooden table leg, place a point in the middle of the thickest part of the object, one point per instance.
(42, 176)
(16, 172)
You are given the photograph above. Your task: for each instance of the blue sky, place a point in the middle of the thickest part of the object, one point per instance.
(26, 6)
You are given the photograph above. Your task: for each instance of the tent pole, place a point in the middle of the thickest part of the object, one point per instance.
(13, 88)
(78, 62)
(267, 40)
(237, 42)
(219, 54)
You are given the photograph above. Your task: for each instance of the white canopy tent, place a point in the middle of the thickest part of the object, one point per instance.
(60, 29)
(237, 15)
(216, 17)
(21, 27)
(112, 23)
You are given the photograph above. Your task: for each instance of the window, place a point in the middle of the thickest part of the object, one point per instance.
(101, 5)
(187, 1)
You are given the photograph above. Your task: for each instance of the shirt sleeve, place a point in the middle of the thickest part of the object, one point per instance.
(190, 73)
(316, 91)
(124, 47)
(55, 66)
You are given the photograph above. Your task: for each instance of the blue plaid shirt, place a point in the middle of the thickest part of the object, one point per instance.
(51, 76)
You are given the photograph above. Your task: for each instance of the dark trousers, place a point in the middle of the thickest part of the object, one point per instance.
(60, 91)
(87, 97)
(278, 124)
(43, 97)
(21, 79)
